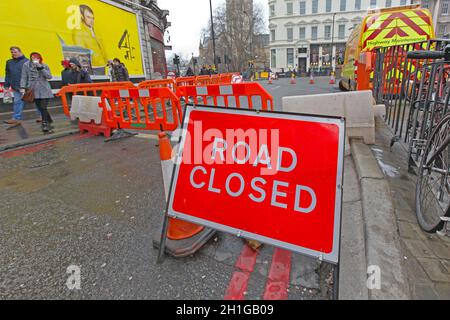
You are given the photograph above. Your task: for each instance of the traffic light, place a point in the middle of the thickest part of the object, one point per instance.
(176, 60)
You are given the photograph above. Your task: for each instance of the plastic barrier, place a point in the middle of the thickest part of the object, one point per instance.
(165, 83)
(88, 89)
(141, 109)
(186, 81)
(241, 95)
(203, 81)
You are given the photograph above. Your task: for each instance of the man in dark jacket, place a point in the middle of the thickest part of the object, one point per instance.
(12, 82)
(120, 72)
(77, 74)
(65, 74)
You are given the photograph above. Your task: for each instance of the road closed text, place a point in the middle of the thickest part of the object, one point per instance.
(267, 189)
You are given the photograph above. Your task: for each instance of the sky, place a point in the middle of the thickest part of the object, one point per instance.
(188, 17)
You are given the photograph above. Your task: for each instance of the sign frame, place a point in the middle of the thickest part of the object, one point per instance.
(332, 257)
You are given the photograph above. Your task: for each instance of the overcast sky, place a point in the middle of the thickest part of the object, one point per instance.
(188, 17)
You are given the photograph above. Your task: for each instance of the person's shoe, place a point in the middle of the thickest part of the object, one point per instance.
(45, 127)
(11, 122)
(39, 121)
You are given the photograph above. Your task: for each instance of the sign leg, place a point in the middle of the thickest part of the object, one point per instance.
(162, 243)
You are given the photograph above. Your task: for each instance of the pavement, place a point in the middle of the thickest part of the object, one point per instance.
(426, 257)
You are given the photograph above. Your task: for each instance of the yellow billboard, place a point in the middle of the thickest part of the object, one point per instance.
(93, 31)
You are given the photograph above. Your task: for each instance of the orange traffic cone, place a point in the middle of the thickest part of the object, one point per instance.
(311, 79)
(293, 81)
(183, 238)
(178, 230)
(333, 79)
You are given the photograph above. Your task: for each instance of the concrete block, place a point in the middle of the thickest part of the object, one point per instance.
(86, 109)
(435, 270)
(356, 107)
(380, 110)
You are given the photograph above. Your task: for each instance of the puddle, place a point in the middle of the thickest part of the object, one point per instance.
(387, 169)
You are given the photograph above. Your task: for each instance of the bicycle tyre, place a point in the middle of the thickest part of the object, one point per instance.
(428, 220)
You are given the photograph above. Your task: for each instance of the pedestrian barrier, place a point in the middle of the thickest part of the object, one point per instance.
(203, 80)
(240, 95)
(164, 83)
(141, 109)
(186, 81)
(87, 89)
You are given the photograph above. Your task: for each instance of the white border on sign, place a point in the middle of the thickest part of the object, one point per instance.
(332, 257)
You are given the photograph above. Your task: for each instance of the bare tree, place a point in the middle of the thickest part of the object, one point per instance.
(236, 28)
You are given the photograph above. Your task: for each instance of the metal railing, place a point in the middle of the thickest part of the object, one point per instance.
(415, 91)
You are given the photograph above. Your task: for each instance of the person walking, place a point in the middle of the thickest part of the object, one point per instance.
(35, 77)
(120, 72)
(77, 73)
(12, 83)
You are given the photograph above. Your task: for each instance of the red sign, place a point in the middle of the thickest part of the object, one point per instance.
(272, 177)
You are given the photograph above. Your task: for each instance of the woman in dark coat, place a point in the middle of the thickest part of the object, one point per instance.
(120, 72)
(36, 76)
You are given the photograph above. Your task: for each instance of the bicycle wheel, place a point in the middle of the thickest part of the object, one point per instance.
(433, 185)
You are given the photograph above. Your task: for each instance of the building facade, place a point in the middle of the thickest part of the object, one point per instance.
(441, 15)
(153, 25)
(312, 34)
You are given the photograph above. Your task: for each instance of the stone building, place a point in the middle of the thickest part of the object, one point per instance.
(441, 15)
(309, 34)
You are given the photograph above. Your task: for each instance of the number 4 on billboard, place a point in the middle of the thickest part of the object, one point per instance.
(125, 43)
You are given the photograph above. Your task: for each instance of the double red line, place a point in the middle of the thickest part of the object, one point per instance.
(277, 284)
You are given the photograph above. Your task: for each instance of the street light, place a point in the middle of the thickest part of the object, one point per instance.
(333, 55)
(212, 32)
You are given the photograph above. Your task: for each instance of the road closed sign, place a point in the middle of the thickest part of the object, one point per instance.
(272, 177)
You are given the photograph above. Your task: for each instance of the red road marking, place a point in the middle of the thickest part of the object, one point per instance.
(239, 281)
(42, 146)
(279, 276)
(26, 150)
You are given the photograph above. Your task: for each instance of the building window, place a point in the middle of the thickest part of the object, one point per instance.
(426, 4)
(357, 4)
(290, 34)
(327, 32)
(341, 33)
(273, 58)
(444, 8)
(302, 33)
(315, 6)
(343, 5)
(373, 3)
(272, 10)
(290, 57)
(272, 35)
(388, 3)
(290, 8)
(313, 33)
(328, 6)
(442, 30)
(403, 2)
(302, 7)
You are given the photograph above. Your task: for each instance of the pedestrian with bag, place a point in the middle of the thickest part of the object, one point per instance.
(35, 87)
(12, 83)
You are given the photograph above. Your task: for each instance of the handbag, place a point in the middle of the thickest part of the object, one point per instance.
(7, 97)
(28, 96)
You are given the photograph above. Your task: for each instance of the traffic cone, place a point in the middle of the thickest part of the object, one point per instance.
(293, 81)
(183, 238)
(333, 79)
(311, 79)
